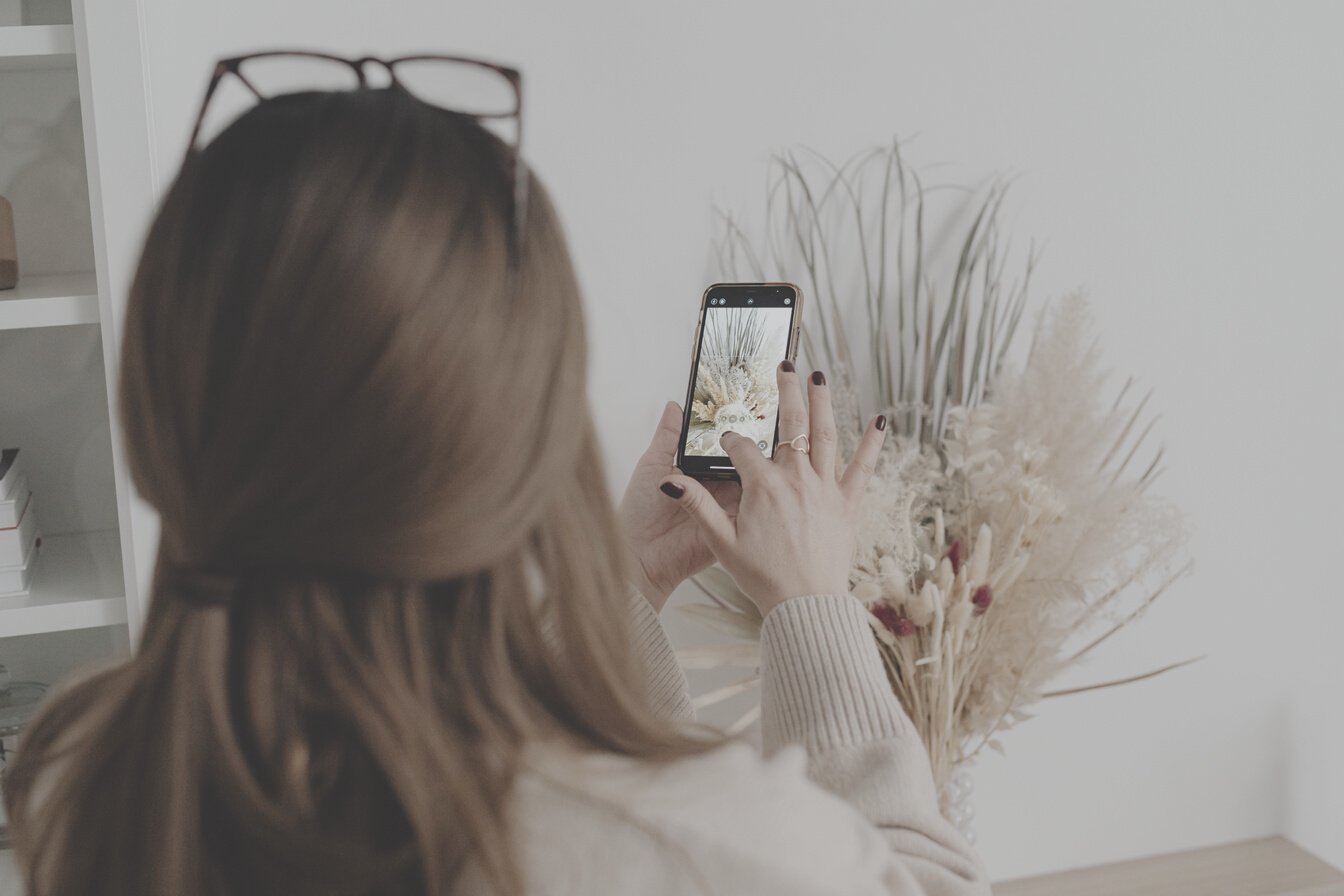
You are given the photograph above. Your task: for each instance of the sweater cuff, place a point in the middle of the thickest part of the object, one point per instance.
(667, 689)
(823, 683)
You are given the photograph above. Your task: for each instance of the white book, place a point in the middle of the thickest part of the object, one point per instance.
(11, 468)
(11, 508)
(16, 579)
(14, 540)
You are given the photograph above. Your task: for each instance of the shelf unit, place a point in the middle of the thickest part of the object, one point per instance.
(27, 47)
(78, 583)
(50, 300)
(60, 329)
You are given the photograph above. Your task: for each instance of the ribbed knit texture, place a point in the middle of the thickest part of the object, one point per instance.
(848, 808)
(822, 680)
(666, 685)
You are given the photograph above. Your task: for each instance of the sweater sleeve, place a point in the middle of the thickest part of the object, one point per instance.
(668, 691)
(824, 687)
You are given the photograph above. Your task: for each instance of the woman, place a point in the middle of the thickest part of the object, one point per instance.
(400, 641)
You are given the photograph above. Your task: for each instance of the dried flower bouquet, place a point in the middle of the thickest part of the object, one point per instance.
(1009, 530)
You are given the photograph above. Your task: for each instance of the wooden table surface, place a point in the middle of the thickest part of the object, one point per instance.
(1269, 867)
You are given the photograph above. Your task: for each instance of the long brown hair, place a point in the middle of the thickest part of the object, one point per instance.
(330, 382)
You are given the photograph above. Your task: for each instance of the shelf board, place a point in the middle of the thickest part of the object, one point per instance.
(50, 300)
(1269, 867)
(24, 47)
(77, 583)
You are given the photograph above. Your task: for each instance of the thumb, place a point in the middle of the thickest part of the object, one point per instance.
(700, 505)
(663, 447)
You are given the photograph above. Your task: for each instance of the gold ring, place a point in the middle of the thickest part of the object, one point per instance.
(793, 443)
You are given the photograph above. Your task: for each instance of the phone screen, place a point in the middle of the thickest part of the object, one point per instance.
(745, 331)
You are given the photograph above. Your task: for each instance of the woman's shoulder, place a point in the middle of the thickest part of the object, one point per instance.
(598, 822)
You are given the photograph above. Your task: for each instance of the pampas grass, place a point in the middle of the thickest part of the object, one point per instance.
(1010, 527)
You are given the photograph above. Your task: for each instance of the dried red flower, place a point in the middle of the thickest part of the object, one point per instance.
(898, 625)
(954, 556)
(982, 598)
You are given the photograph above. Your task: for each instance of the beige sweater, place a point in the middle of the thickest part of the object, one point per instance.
(842, 802)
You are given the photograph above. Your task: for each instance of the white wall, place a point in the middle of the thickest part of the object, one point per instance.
(1181, 161)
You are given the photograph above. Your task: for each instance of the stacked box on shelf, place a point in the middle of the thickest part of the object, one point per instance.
(19, 535)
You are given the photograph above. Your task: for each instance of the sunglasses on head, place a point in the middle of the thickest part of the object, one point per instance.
(476, 88)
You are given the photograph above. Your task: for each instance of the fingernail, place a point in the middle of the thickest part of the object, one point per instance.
(786, 365)
(881, 421)
(672, 490)
(818, 378)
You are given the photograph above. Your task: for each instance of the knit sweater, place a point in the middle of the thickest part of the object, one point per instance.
(840, 801)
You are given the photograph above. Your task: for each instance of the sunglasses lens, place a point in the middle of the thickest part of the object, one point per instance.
(274, 75)
(461, 86)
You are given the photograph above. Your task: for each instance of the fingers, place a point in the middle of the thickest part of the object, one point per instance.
(713, 521)
(746, 456)
(663, 448)
(792, 413)
(727, 493)
(854, 482)
(821, 437)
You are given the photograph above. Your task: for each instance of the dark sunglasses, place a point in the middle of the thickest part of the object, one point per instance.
(497, 94)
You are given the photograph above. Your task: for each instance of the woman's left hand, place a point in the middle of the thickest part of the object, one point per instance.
(665, 542)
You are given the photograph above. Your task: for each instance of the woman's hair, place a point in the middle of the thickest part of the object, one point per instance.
(332, 383)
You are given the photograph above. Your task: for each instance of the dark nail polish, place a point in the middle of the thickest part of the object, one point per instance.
(672, 490)
(818, 378)
(786, 365)
(881, 421)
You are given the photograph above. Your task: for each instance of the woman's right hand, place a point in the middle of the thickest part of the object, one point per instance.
(795, 527)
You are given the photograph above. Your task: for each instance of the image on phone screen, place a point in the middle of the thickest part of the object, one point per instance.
(743, 337)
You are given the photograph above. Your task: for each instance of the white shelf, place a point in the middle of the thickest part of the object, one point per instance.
(25, 47)
(77, 583)
(50, 300)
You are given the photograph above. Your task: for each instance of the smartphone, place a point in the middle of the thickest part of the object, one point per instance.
(745, 330)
